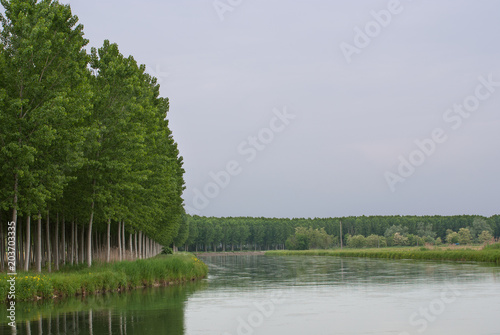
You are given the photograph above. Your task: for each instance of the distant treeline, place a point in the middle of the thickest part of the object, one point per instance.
(237, 233)
(87, 159)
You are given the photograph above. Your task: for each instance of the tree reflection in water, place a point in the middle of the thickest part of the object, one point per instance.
(142, 311)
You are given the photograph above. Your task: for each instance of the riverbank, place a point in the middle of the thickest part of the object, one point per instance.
(491, 255)
(231, 253)
(100, 278)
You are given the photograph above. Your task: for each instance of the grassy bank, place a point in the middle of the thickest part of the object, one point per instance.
(230, 253)
(120, 276)
(490, 255)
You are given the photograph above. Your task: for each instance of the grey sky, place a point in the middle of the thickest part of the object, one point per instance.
(352, 120)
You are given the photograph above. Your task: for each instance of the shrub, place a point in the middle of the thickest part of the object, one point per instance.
(400, 240)
(357, 241)
(305, 238)
(485, 237)
(167, 251)
(464, 236)
(452, 237)
(374, 241)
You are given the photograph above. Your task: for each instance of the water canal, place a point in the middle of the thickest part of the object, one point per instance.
(289, 295)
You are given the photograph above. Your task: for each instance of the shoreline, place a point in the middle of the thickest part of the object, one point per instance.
(230, 253)
(491, 256)
(121, 276)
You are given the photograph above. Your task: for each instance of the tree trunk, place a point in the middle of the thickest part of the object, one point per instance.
(140, 244)
(82, 245)
(89, 235)
(39, 244)
(14, 202)
(124, 242)
(76, 243)
(56, 244)
(108, 240)
(131, 250)
(73, 242)
(47, 235)
(28, 243)
(136, 251)
(120, 239)
(20, 247)
(63, 241)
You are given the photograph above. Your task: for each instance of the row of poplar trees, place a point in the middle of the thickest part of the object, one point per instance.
(216, 233)
(87, 161)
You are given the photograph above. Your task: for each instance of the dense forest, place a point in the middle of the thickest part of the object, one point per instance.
(88, 165)
(246, 233)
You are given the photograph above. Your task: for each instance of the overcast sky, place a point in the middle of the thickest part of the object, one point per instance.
(314, 108)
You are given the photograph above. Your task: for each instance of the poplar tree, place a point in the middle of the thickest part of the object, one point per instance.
(45, 95)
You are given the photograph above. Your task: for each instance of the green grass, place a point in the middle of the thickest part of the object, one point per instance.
(490, 255)
(494, 246)
(160, 270)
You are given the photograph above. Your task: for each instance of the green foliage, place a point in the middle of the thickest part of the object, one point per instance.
(425, 230)
(494, 246)
(452, 237)
(375, 241)
(479, 225)
(415, 240)
(304, 239)
(272, 233)
(399, 229)
(485, 237)
(84, 136)
(464, 236)
(357, 241)
(167, 251)
(297, 242)
(400, 240)
(29, 286)
(183, 232)
(44, 97)
(463, 255)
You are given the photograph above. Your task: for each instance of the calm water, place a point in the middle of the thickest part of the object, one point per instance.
(290, 295)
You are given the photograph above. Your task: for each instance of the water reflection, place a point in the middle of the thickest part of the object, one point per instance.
(330, 295)
(143, 311)
(250, 272)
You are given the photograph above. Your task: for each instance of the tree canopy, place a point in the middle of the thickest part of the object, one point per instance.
(84, 137)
